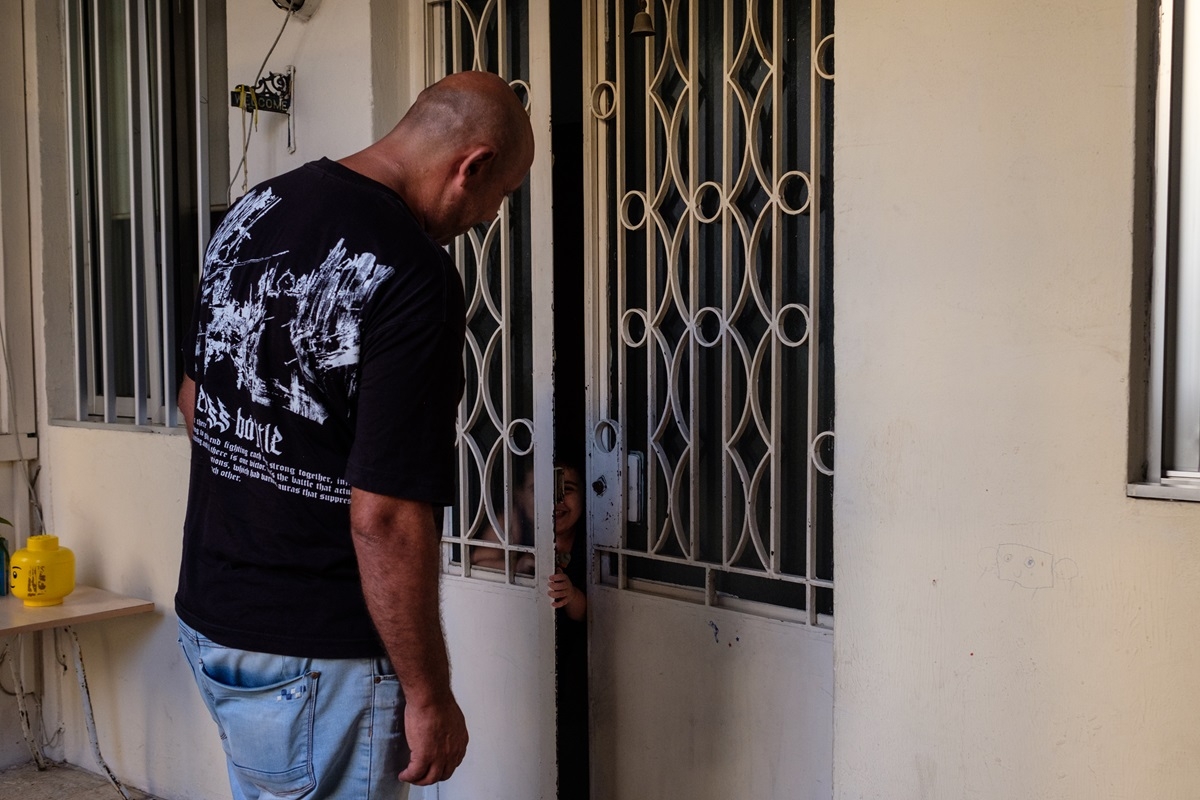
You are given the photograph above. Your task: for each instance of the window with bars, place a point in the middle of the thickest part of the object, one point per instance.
(144, 154)
(1170, 464)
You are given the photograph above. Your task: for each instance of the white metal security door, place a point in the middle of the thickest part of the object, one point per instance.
(708, 165)
(499, 537)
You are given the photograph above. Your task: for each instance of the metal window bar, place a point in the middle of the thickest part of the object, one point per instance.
(729, 477)
(78, 121)
(666, 472)
(778, 178)
(203, 196)
(106, 379)
(602, 110)
(619, 28)
(161, 314)
(1162, 204)
(506, 320)
(1184, 286)
(819, 78)
(141, 202)
(1171, 446)
(693, 299)
(143, 34)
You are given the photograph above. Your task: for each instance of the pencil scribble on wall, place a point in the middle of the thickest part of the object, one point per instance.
(1028, 567)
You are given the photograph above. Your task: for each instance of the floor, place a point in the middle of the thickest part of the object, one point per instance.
(59, 782)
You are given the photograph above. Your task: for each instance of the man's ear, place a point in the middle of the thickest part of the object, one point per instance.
(474, 162)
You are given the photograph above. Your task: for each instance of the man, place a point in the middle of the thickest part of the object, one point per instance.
(323, 374)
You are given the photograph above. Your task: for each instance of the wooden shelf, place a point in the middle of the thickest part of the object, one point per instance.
(85, 604)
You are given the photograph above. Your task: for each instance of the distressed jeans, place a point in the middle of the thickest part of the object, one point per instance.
(302, 728)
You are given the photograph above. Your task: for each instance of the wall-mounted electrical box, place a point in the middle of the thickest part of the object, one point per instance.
(303, 9)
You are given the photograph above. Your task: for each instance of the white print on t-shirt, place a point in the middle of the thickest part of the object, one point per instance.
(211, 415)
(232, 461)
(266, 437)
(324, 331)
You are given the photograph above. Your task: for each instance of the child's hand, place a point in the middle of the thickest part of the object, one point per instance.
(561, 589)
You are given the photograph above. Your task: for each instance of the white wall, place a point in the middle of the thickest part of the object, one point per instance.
(985, 157)
(117, 499)
(333, 89)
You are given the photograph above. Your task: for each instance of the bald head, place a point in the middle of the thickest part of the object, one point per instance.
(463, 145)
(470, 108)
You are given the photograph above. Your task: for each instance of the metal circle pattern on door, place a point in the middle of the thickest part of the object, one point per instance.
(712, 146)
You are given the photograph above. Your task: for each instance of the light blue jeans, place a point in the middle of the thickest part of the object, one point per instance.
(302, 728)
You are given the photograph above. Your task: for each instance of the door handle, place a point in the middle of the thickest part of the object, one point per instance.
(636, 496)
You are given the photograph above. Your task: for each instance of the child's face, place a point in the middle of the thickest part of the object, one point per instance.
(568, 511)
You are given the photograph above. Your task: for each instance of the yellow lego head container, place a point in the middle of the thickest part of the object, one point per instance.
(41, 573)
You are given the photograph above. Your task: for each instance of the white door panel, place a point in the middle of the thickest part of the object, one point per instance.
(710, 397)
(500, 681)
(698, 702)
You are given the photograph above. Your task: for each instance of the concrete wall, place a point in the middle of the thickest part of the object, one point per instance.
(985, 162)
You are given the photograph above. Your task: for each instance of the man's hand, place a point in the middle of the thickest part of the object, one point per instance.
(398, 550)
(437, 738)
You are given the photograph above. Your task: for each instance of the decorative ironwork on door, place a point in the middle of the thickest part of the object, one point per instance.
(709, 168)
(489, 533)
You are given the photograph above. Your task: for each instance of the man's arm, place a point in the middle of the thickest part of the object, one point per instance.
(398, 550)
(187, 402)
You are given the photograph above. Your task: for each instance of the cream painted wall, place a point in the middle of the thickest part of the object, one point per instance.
(984, 155)
(332, 54)
(117, 499)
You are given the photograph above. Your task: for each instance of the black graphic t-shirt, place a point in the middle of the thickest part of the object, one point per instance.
(327, 353)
